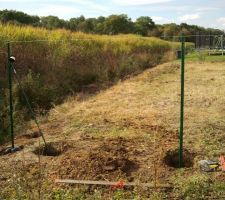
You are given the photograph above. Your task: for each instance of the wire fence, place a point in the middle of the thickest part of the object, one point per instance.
(48, 72)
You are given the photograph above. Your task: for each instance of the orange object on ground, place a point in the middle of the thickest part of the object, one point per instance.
(118, 185)
(222, 162)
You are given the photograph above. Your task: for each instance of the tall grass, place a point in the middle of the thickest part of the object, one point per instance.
(62, 54)
(54, 64)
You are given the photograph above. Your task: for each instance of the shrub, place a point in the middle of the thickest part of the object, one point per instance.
(38, 94)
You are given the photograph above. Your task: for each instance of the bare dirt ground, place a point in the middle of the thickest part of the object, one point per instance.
(127, 132)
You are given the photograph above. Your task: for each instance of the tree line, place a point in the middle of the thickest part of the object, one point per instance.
(111, 25)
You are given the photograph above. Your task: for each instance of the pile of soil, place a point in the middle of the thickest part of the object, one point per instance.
(111, 160)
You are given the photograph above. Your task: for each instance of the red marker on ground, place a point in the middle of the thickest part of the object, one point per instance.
(222, 162)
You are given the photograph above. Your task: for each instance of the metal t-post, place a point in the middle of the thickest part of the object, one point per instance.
(222, 44)
(182, 101)
(10, 95)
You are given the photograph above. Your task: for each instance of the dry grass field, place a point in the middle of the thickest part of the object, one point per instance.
(125, 133)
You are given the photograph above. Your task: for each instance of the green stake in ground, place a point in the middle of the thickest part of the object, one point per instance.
(11, 69)
(10, 61)
(182, 102)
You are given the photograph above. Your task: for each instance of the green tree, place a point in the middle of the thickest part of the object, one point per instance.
(74, 23)
(157, 31)
(115, 24)
(87, 26)
(12, 16)
(99, 25)
(52, 22)
(171, 30)
(143, 25)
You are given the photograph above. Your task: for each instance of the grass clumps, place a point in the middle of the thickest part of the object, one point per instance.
(198, 186)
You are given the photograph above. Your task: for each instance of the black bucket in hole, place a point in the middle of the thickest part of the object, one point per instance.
(172, 158)
(50, 149)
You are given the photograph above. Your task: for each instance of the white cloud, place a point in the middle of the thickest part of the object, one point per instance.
(88, 3)
(189, 17)
(61, 8)
(206, 9)
(166, 8)
(17, 1)
(156, 18)
(56, 10)
(63, 3)
(221, 20)
(161, 20)
(139, 2)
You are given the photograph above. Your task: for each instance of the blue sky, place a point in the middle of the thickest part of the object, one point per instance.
(208, 13)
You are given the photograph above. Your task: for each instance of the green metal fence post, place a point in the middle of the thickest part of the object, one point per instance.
(222, 44)
(10, 95)
(182, 101)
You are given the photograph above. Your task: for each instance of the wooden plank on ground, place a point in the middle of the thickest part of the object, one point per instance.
(90, 182)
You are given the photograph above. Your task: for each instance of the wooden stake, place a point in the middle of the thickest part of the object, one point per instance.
(89, 182)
